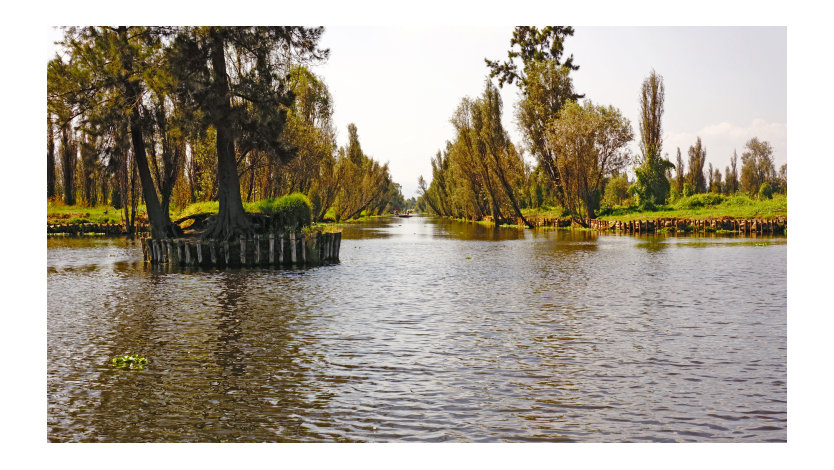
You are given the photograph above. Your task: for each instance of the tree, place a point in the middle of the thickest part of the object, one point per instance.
(104, 83)
(652, 186)
(545, 85)
(679, 173)
(589, 142)
(731, 175)
(697, 158)
(756, 165)
(247, 108)
(50, 158)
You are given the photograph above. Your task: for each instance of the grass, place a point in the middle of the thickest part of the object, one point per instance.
(60, 213)
(702, 206)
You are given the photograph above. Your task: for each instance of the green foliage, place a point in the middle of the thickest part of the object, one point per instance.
(292, 212)
(591, 143)
(757, 165)
(708, 205)
(132, 361)
(652, 186)
(765, 191)
(687, 190)
(699, 200)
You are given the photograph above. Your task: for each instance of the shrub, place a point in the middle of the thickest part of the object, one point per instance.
(687, 190)
(289, 213)
(765, 191)
(699, 200)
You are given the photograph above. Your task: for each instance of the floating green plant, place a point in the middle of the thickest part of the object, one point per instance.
(132, 361)
(468, 257)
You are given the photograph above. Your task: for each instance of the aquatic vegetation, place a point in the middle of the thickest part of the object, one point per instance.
(132, 361)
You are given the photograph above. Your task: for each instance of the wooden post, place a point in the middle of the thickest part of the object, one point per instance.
(213, 252)
(180, 256)
(303, 249)
(226, 253)
(292, 248)
(188, 252)
(281, 248)
(271, 249)
(338, 244)
(257, 249)
(243, 250)
(199, 251)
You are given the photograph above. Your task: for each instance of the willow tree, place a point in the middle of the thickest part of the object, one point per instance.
(757, 165)
(236, 78)
(544, 81)
(589, 142)
(652, 186)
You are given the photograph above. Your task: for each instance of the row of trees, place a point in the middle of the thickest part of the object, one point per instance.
(580, 148)
(155, 114)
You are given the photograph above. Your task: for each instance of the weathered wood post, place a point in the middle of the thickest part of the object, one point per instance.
(227, 254)
(157, 256)
(180, 254)
(213, 252)
(188, 252)
(281, 248)
(303, 243)
(292, 248)
(257, 249)
(199, 251)
(243, 250)
(338, 243)
(271, 249)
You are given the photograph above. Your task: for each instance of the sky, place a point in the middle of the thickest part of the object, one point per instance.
(401, 85)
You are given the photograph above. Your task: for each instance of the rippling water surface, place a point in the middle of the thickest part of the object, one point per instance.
(427, 330)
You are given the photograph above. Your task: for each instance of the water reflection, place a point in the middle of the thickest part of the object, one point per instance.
(427, 330)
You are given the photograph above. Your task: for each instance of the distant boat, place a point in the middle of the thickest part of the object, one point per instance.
(406, 214)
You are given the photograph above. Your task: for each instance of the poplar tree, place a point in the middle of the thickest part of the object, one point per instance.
(652, 186)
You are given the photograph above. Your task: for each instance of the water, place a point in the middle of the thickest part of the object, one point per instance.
(427, 330)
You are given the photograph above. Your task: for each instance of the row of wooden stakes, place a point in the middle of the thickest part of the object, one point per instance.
(107, 229)
(259, 250)
(728, 224)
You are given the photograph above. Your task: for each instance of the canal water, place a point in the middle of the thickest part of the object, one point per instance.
(426, 330)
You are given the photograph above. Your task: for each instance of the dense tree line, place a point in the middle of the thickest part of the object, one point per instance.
(162, 115)
(580, 148)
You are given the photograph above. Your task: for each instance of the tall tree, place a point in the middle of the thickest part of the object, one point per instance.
(545, 85)
(679, 172)
(732, 178)
(756, 165)
(50, 157)
(697, 159)
(590, 144)
(248, 107)
(652, 186)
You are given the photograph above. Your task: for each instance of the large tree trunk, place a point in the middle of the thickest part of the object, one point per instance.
(50, 158)
(160, 221)
(68, 165)
(231, 219)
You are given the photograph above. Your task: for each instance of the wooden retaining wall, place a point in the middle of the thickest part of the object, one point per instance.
(728, 224)
(107, 229)
(259, 250)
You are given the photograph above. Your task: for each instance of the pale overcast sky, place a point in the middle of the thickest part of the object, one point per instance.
(400, 85)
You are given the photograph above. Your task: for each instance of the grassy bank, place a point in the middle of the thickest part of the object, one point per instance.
(699, 206)
(59, 213)
(703, 206)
